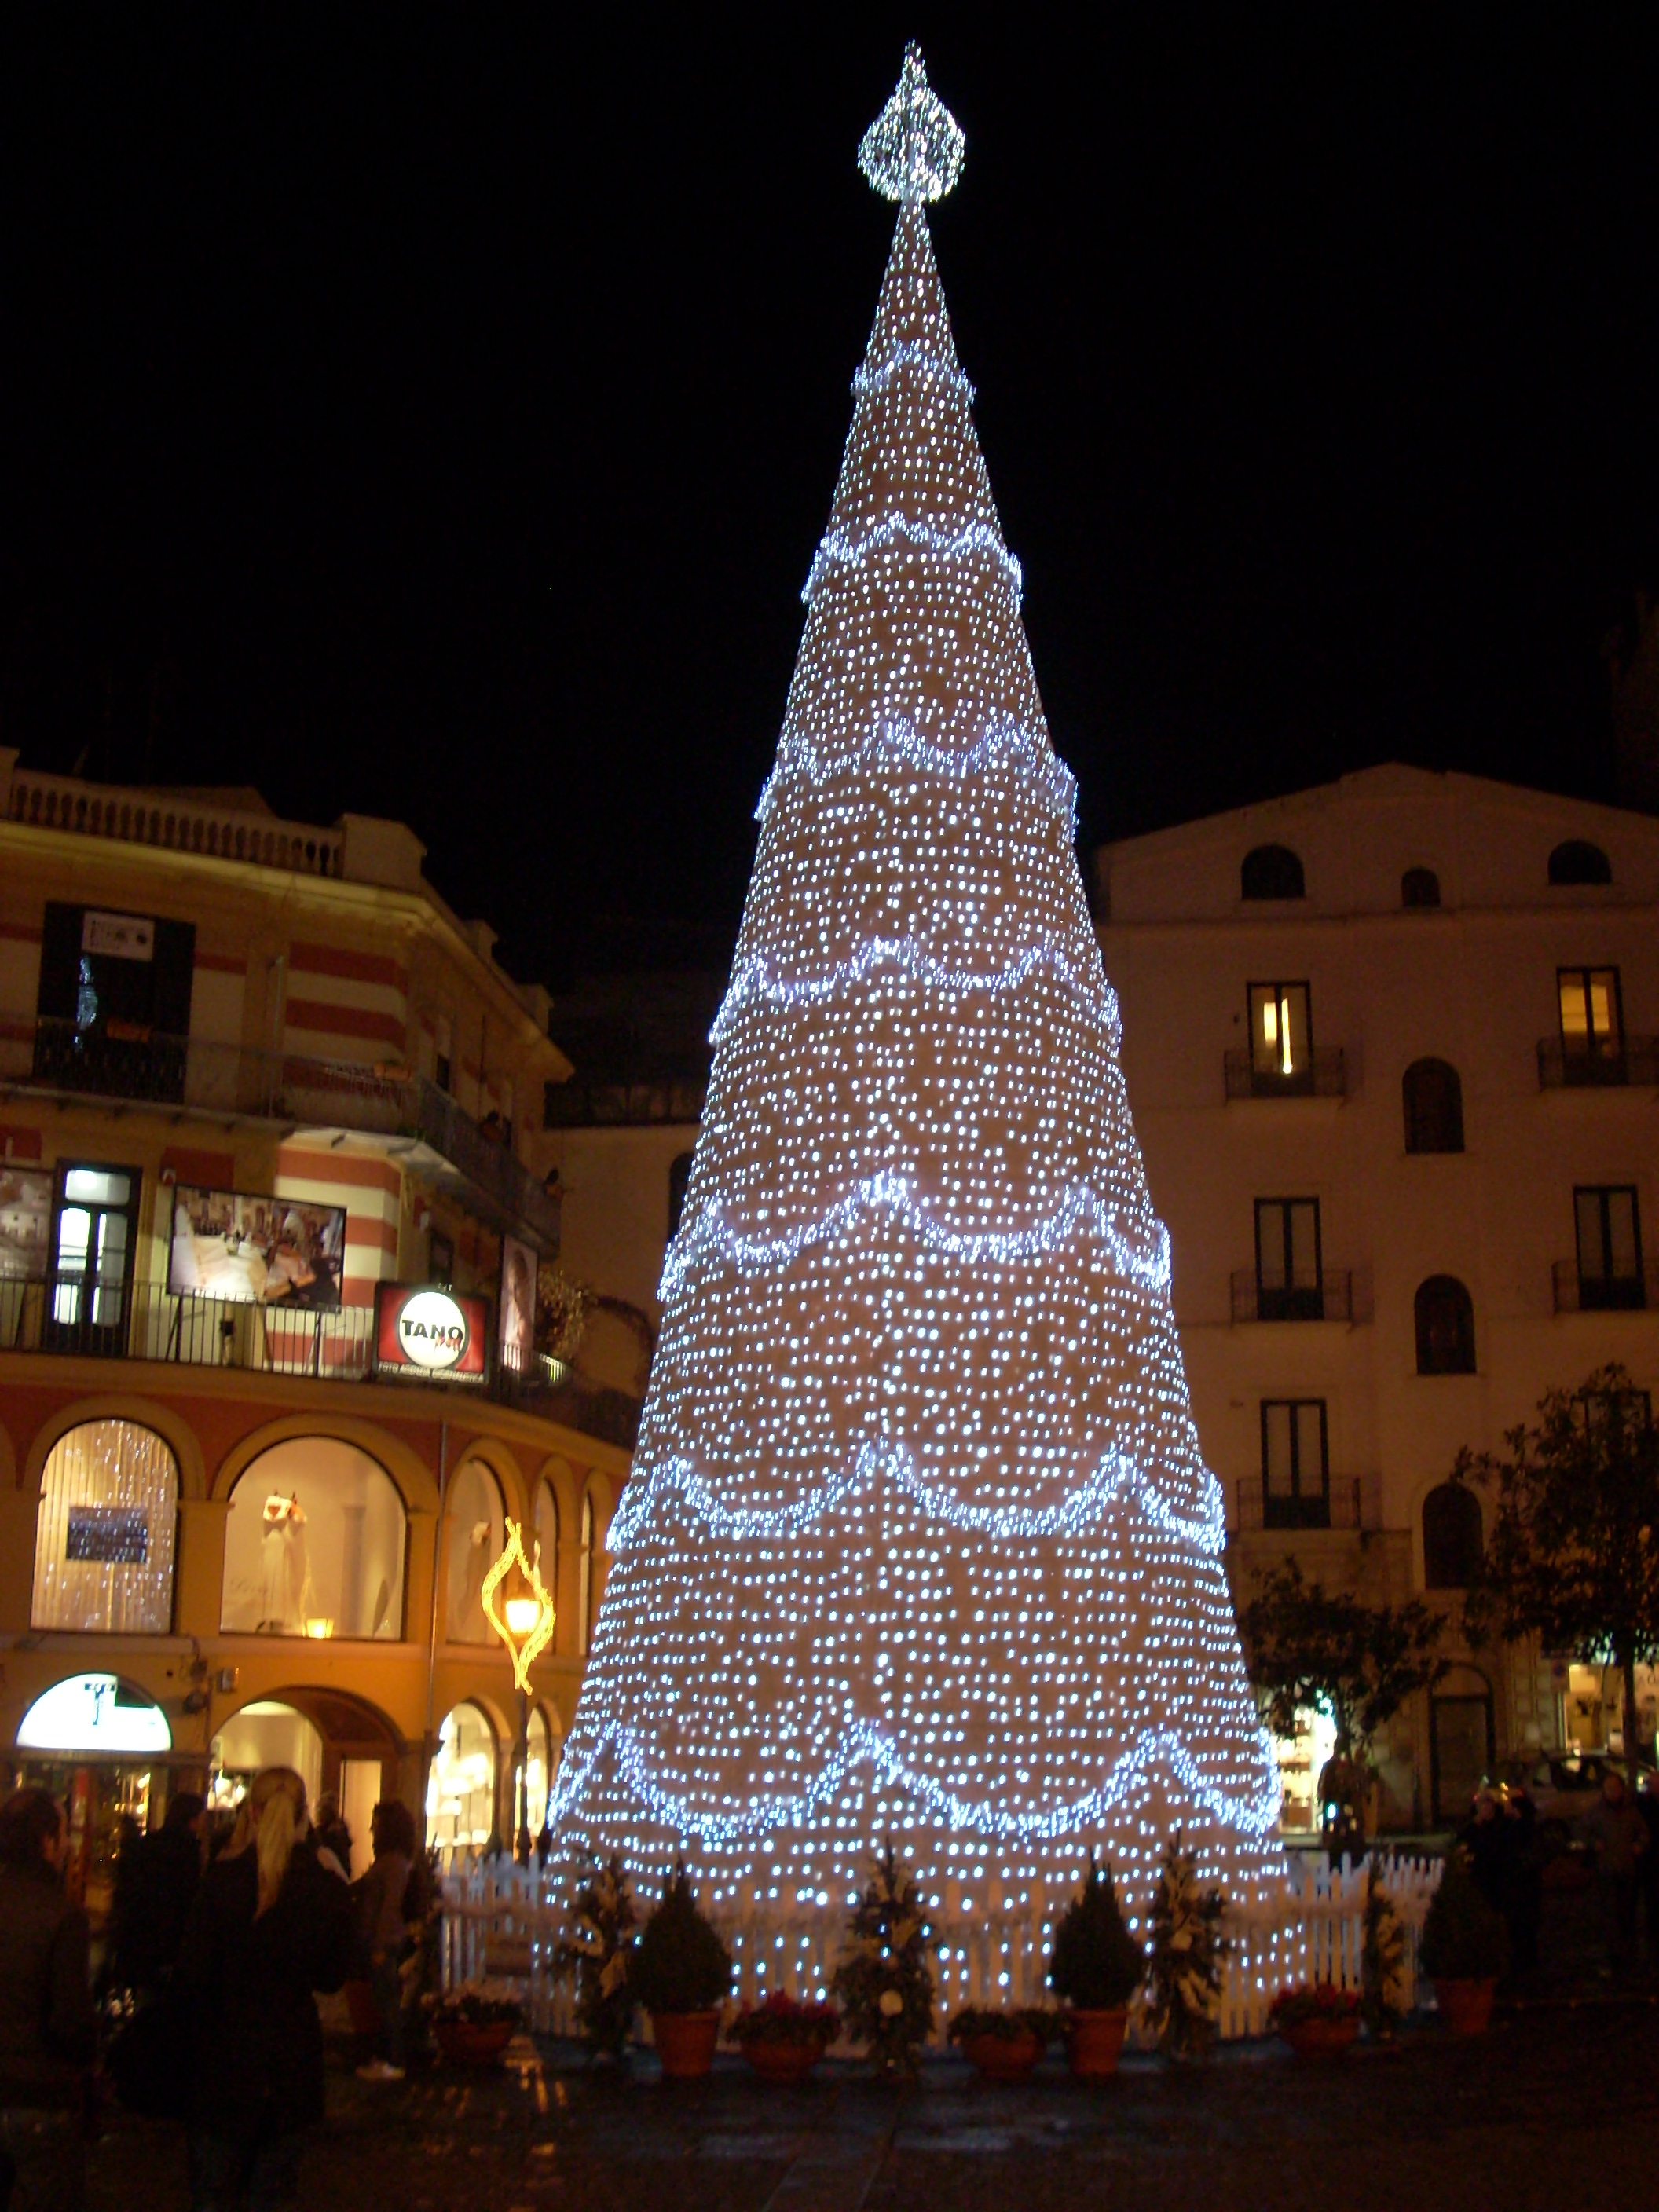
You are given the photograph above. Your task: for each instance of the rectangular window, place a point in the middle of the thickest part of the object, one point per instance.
(1296, 1479)
(442, 1051)
(1281, 1037)
(1592, 1020)
(1289, 1282)
(93, 1242)
(112, 1012)
(1609, 1247)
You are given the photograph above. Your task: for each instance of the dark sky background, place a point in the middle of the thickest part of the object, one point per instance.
(422, 416)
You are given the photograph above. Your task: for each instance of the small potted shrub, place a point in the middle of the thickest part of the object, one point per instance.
(784, 2038)
(1096, 1965)
(1465, 1948)
(1316, 2019)
(602, 1921)
(681, 1973)
(883, 1978)
(1188, 1956)
(1003, 2046)
(472, 2024)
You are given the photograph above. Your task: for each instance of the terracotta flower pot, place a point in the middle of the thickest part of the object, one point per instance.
(1094, 2041)
(471, 2043)
(1466, 2007)
(1001, 2057)
(1320, 2039)
(685, 2042)
(783, 2062)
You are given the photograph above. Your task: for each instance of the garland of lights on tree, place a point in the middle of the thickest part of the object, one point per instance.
(919, 1541)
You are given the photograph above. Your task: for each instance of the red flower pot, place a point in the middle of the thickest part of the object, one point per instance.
(783, 2062)
(1466, 2007)
(1094, 2041)
(1320, 2039)
(472, 2042)
(1001, 2057)
(685, 2042)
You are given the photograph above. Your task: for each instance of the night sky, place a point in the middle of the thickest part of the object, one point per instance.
(413, 415)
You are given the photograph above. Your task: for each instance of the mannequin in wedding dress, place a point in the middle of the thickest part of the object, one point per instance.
(285, 1572)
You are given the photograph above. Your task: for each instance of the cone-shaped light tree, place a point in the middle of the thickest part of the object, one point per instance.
(919, 1539)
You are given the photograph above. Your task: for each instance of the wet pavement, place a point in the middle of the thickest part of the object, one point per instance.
(1556, 2104)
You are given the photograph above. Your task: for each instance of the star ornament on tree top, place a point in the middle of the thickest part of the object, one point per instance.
(913, 151)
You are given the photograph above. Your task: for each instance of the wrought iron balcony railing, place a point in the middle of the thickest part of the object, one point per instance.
(1323, 1074)
(125, 1062)
(1576, 1293)
(1631, 1061)
(1340, 1505)
(1338, 1295)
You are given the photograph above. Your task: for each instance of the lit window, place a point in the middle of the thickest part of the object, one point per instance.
(478, 1535)
(1592, 1025)
(314, 1544)
(1281, 1043)
(104, 1539)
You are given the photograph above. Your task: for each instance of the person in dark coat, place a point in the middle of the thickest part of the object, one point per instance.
(47, 2022)
(153, 1905)
(269, 1927)
(382, 1899)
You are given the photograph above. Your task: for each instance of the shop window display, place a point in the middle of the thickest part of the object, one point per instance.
(103, 1536)
(460, 1790)
(477, 1533)
(264, 1733)
(1301, 1759)
(314, 1544)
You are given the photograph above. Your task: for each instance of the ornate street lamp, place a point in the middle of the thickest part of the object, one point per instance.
(526, 1627)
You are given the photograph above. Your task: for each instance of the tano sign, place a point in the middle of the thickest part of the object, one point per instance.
(427, 1336)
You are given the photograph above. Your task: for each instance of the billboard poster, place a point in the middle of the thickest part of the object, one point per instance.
(25, 1223)
(255, 1251)
(425, 1335)
(518, 1307)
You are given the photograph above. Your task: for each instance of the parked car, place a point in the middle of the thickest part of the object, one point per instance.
(1563, 1786)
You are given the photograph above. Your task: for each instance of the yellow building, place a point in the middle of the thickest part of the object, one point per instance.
(272, 1208)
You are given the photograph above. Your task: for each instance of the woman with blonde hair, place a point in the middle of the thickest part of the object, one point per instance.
(268, 1928)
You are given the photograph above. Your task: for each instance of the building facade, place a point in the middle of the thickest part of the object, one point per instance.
(275, 1199)
(1390, 1048)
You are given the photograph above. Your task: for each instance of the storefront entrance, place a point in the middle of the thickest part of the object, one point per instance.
(336, 1744)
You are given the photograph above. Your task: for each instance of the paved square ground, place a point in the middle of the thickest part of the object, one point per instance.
(1558, 2107)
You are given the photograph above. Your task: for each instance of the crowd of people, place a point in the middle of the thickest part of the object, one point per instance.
(1506, 1855)
(218, 1944)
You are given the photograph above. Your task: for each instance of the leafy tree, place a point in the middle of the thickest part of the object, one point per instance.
(1572, 1556)
(1308, 1647)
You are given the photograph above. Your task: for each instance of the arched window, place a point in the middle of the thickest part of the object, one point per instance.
(540, 1767)
(477, 1534)
(1434, 1107)
(1271, 872)
(267, 1733)
(105, 1535)
(314, 1544)
(460, 1783)
(1453, 1538)
(1420, 887)
(95, 1713)
(1446, 1327)
(588, 1592)
(679, 1174)
(1577, 862)
(545, 1523)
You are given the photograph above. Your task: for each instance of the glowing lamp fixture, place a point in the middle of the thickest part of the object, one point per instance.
(526, 1628)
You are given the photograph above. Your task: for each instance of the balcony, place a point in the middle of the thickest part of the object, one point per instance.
(1578, 1293)
(1338, 1295)
(1341, 1505)
(1632, 1062)
(579, 1105)
(227, 1084)
(1323, 1075)
(330, 1344)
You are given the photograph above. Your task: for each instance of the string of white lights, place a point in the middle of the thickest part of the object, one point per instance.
(675, 1485)
(1142, 1252)
(874, 376)
(864, 1743)
(894, 742)
(758, 979)
(844, 547)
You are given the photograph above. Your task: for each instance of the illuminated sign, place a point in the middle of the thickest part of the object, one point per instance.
(93, 1712)
(423, 1334)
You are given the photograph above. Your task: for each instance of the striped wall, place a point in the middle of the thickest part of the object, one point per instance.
(370, 1189)
(344, 1005)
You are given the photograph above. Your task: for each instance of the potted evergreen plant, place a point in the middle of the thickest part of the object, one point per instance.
(1465, 1948)
(681, 1973)
(1096, 1965)
(883, 1980)
(1003, 2046)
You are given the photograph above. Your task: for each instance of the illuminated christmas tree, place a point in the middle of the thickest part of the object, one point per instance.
(919, 1539)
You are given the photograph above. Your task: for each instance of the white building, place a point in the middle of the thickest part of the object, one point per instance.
(1390, 1046)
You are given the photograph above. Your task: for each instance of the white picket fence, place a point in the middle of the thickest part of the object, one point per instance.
(504, 1924)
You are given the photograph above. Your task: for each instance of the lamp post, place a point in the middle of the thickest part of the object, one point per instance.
(525, 1625)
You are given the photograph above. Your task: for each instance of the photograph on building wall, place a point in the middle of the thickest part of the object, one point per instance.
(255, 1250)
(25, 1223)
(518, 1306)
